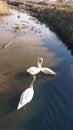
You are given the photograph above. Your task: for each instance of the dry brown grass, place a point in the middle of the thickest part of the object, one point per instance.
(4, 9)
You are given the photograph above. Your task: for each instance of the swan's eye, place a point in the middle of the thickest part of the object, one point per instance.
(40, 60)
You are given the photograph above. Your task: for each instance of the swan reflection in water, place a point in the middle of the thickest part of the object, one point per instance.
(35, 70)
(27, 95)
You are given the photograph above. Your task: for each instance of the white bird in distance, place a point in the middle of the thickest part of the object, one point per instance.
(35, 70)
(27, 95)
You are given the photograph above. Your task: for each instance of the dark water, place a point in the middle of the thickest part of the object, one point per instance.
(52, 105)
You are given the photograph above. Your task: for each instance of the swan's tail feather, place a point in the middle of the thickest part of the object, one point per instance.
(19, 106)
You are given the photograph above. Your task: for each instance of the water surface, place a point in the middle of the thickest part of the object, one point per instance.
(52, 104)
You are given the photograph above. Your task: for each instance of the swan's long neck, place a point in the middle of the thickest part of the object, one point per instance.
(39, 62)
(34, 78)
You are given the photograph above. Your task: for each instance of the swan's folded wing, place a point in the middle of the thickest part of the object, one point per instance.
(33, 70)
(22, 100)
(25, 97)
(47, 71)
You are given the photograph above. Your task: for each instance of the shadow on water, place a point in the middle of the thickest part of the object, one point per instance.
(50, 109)
(21, 75)
(70, 47)
(11, 104)
(57, 113)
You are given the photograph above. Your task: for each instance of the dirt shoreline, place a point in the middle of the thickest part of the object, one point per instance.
(61, 21)
(58, 17)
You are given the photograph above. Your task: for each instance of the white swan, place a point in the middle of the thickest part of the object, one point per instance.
(27, 95)
(35, 70)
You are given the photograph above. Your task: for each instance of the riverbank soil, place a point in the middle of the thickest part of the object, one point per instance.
(59, 17)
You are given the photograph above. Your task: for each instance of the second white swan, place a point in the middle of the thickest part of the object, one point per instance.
(35, 70)
(27, 95)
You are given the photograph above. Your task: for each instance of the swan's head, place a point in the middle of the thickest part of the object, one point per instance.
(39, 62)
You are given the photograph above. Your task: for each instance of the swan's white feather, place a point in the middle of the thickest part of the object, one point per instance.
(33, 70)
(47, 71)
(25, 97)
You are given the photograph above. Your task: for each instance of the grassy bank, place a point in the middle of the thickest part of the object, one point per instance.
(4, 9)
(58, 17)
